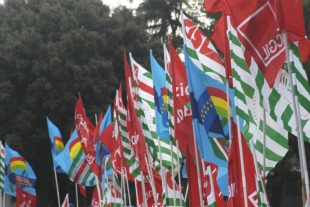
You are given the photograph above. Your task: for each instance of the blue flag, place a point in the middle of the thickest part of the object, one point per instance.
(102, 150)
(160, 98)
(57, 145)
(17, 171)
(73, 162)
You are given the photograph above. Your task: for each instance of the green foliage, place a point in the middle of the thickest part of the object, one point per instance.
(49, 51)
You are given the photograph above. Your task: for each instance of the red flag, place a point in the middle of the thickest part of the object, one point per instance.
(66, 201)
(23, 198)
(85, 131)
(183, 128)
(258, 30)
(95, 202)
(191, 170)
(221, 41)
(135, 132)
(148, 195)
(236, 195)
(82, 190)
(304, 49)
(290, 18)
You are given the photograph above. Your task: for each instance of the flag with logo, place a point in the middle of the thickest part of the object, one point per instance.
(23, 198)
(17, 172)
(182, 115)
(85, 131)
(73, 162)
(57, 145)
(252, 19)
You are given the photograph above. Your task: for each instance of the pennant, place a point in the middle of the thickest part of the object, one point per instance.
(66, 201)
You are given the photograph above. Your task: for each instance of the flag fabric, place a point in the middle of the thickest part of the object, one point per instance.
(57, 145)
(160, 99)
(205, 118)
(290, 18)
(201, 51)
(17, 172)
(2, 166)
(193, 182)
(85, 131)
(145, 95)
(304, 51)
(82, 190)
(66, 201)
(172, 195)
(236, 177)
(252, 19)
(182, 115)
(23, 198)
(95, 201)
(73, 162)
(250, 88)
(148, 195)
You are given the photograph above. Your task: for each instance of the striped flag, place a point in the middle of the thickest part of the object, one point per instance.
(145, 94)
(201, 51)
(248, 87)
(2, 165)
(73, 162)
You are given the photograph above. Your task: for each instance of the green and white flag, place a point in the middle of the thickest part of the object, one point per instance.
(201, 50)
(248, 92)
(2, 165)
(145, 94)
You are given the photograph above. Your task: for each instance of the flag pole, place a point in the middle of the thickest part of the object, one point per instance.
(96, 177)
(264, 145)
(129, 197)
(179, 168)
(76, 195)
(56, 181)
(123, 186)
(151, 176)
(143, 188)
(172, 168)
(245, 196)
(300, 140)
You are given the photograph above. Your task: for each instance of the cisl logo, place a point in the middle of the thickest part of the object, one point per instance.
(267, 43)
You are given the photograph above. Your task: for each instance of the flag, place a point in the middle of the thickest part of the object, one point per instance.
(17, 171)
(205, 118)
(160, 99)
(182, 115)
(290, 18)
(145, 94)
(23, 198)
(57, 145)
(95, 201)
(2, 166)
(236, 177)
(252, 93)
(193, 181)
(66, 201)
(201, 50)
(304, 51)
(85, 132)
(82, 190)
(252, 19)
(73, 162)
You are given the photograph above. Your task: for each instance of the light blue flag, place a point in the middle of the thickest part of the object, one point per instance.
(73, 162)
(57, 145)
(160, 96)
(102, 150)
(17, 171)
